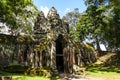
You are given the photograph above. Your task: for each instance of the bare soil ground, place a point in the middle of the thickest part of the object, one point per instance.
(63, 76)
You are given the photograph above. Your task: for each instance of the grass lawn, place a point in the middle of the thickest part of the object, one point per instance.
(16, 76)
(22, 77)
(32, 78)
(107, 73)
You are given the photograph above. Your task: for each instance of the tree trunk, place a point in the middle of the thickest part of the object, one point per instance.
(98, 46)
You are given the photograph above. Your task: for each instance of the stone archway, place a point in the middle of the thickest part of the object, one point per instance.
(59, 54)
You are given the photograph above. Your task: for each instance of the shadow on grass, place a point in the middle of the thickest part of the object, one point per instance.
(53, 78)
(97, 68)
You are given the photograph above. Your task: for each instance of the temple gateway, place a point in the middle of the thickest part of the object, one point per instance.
(58, 51)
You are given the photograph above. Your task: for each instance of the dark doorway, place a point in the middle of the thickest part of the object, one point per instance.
(59, 54)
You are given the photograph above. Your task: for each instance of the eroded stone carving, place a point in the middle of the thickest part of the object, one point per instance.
(47, 31)
(54, 18)
(52, 23)
(41, 24)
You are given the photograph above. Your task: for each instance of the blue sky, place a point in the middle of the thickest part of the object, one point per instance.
(62, 6)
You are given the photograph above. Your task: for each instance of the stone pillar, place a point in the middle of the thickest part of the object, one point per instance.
(53, 54)
(71, 59)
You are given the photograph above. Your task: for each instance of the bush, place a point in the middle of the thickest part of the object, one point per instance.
(39, 71)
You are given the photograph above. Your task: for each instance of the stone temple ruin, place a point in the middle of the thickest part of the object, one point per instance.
(49, 45)
(54, 32)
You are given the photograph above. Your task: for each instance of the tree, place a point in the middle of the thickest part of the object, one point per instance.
(91, 23)
(16, 13)
(112, 29)
(72, 18)
(100, 23)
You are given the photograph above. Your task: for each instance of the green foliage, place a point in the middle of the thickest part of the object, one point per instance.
(89, 26)
(39, 71)
(100, 23)
(10, 7)
(18, 15)
(74, 34)
(72, 18)
(112, 29)
(22, 38)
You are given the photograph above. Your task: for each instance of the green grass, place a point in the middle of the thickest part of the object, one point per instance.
(108, 73)
(23, 77)
(32, 78)
(101, 68)
(101, 73)
(29, 78)
(16, 76)
(104, 75)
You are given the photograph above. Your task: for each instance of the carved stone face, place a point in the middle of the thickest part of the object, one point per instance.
(52, 22)
(40, 17)
(40, 23)
(52, 13)
(53, 18)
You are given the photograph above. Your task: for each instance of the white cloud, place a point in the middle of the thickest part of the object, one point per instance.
(44, 9)
(102, 47)
(59, 12)
(67, 10)
(4, 28)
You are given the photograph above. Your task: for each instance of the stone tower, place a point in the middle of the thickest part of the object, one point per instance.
(58, 47)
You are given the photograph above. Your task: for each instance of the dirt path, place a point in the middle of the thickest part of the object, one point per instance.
(63, 76)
